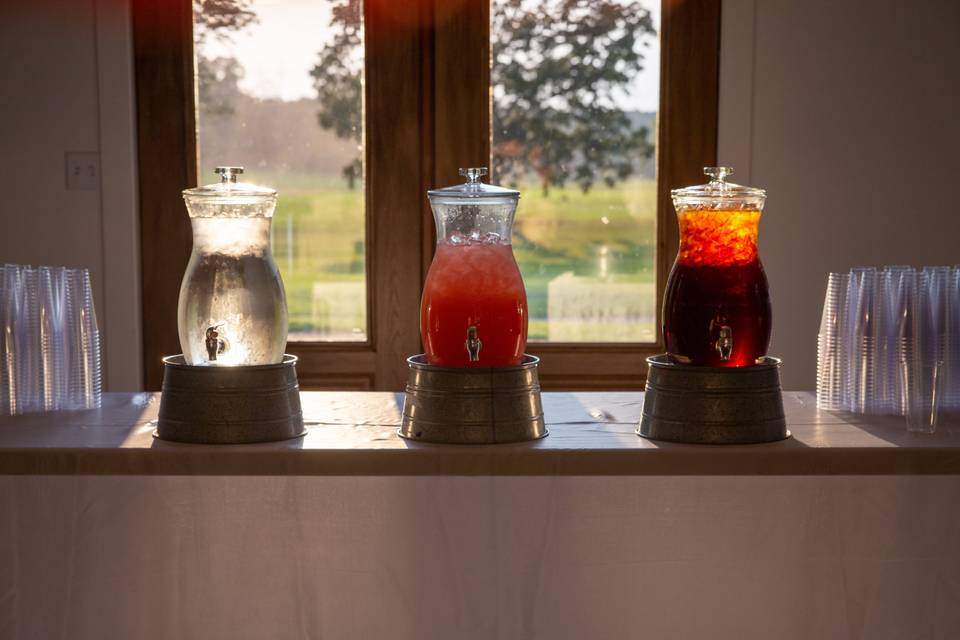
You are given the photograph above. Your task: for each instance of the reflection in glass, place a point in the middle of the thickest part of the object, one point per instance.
(279, 92)
(575, 97)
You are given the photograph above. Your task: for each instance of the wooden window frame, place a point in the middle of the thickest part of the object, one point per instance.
(427, 82)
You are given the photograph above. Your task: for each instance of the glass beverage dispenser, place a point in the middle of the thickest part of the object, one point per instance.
(474, 307)
(716, 309)
(232, 309)
(473, 384)
(233, 384)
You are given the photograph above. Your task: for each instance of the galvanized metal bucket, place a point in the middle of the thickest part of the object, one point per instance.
(713, 405)
(493, 405)
(229, 405)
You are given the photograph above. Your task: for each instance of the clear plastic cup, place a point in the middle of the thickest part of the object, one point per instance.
(53, 354)
(84, 386)
(951, 373)
(934, 301)
(896, 311)
(30, 367)
(864, 343)
(49, 342)
(922, 388)
(904, 330)
(890, 343)
(831, 364)
(9, 328)
(18, 354)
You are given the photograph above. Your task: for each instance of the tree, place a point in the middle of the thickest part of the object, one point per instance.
(218, 78)
(337, 78)
(219, 17)
(558, 65)
(218, 82)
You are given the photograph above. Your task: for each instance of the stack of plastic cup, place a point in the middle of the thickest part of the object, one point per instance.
(30, 375)
(896, 285)
(11, 298)
(912, 384)
(84, 389)
(4, 376)
(831, 365)
(53, 353)
(864, 332)
(925, 389)
(902, 354)
(50, 346)
(890, 343)
(951, 378)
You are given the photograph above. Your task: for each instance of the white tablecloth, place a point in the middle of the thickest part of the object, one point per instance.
(141, 557)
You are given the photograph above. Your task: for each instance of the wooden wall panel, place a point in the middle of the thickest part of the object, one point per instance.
(166, 139)
(394, 98)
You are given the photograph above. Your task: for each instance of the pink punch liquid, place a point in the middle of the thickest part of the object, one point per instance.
(474, 285)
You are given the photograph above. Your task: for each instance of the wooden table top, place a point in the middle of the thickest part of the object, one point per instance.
(354, 433)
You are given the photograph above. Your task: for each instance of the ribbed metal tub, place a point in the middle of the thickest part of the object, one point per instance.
(472, 406)
(230, 405)
(713, 405)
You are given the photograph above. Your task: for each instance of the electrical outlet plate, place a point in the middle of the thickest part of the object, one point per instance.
(83, 170)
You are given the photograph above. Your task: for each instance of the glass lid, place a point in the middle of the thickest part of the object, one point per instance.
(229, 198)
(718, 193)
(473, 191)
(228, 187)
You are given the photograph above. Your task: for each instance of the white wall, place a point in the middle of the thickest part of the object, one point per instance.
(848, 113)
(68, 86)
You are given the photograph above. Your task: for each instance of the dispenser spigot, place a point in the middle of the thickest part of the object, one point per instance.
(215, 343)
(725, 342)
(473, 344)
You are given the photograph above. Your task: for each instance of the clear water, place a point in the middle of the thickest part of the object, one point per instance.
(233, 281)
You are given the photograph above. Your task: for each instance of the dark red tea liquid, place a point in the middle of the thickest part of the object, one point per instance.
(717, 289)
(701, 300)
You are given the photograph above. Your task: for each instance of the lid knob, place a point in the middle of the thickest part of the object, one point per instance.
(718, 174)
(473, 174)
(228, 174)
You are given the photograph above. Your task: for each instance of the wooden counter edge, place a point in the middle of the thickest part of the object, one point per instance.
(480, 461)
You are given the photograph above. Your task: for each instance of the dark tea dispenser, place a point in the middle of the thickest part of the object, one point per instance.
(716, 384)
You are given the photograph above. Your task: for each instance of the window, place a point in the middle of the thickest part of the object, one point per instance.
(279, 92)
(575, 89)
(595, 232)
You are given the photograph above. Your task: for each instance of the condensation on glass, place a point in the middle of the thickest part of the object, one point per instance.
(575, 99)
(231, 309)
(280, 93)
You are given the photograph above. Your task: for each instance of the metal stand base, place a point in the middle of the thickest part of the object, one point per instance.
(713, 405)
(472, 406)
(229, 405)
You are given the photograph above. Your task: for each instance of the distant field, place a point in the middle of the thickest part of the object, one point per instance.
(606, 237)
(568, 230)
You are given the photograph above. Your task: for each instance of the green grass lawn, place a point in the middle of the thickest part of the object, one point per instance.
(567, 230)
(607, 234)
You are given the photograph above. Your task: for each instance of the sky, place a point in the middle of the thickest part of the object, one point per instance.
(278, 52)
